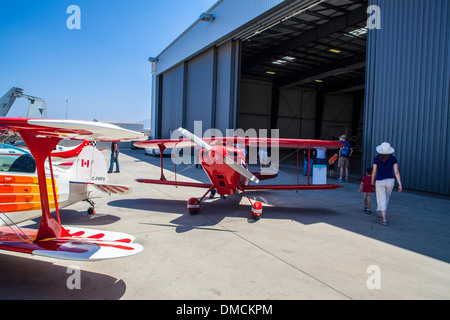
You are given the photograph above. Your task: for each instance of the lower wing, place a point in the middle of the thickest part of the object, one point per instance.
(83, 244)
(292, 187)
(176, 183)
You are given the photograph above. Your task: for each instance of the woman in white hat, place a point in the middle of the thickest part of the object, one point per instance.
(385, 166)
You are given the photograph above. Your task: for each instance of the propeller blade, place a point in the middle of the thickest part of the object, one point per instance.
(230, 162)
(240, 169)
(198, 141)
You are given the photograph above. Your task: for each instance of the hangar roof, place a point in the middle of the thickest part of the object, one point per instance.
(321, 46)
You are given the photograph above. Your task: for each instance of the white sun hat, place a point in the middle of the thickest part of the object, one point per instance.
(385, 148)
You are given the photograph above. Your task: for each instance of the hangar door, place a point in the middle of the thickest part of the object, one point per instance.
(203, 88)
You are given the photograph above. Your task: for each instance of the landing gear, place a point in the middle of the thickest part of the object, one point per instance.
(257, 210)
(193, 205)
(256, 207)
(91, 209)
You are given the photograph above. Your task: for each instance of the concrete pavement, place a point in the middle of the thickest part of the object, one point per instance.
(308, 245)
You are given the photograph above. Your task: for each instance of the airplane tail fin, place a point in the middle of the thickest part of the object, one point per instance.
(90, 168)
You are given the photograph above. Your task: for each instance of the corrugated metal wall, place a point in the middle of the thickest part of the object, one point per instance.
(407, 90)
(204, 88)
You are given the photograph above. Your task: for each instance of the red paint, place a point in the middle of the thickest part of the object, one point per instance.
(41, 147)
(73, 153)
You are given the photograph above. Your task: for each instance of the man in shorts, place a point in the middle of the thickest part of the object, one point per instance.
(344, 158)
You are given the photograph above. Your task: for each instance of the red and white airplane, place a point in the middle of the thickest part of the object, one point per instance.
(226, 168)
(19, 188)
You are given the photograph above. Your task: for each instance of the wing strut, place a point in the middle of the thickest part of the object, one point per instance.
(40, 148)
(55, 197)
(309, 161)
(162, 147)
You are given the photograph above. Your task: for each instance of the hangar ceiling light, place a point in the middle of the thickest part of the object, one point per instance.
(358, 32)
(284, 60)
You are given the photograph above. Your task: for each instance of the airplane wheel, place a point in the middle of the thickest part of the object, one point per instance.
(91, 210)
(193, 205)
(257, 210)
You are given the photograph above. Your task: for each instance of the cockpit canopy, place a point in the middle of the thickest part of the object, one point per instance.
(14, 159)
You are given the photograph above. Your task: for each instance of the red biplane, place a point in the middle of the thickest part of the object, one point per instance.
(52, 239)
(226, 167)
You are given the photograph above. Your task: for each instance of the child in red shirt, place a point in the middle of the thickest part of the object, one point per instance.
(368, 190)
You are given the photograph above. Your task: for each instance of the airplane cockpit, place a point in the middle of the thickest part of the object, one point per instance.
(13, 159)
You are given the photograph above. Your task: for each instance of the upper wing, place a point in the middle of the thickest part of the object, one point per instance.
(71, 129)
(167, 143)
(252, 142)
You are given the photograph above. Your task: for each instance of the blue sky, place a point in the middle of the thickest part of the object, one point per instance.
(103, 68)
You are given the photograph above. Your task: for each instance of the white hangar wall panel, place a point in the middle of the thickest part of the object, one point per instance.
(203, 88)
(255, 104)
(226, 86)
(172, 98)
(337, 116)
(297, 111)
(296, 114)
(408, 90)
(199, 90)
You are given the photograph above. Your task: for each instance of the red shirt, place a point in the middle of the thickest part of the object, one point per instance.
(367, 184)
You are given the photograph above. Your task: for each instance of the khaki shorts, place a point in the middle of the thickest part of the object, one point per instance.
(367, 196)
(344, 162)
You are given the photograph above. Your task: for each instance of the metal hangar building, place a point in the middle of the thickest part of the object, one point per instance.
(375, 70)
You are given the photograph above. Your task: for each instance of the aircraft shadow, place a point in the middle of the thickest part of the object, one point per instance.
(73, 217)
(213, 211)
(30, 279)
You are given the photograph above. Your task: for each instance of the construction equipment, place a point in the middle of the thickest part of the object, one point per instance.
(36, 109)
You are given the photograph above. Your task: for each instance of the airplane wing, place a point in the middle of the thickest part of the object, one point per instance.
(71, 129)
(52, 239)
(166, 143)
(80, 244)
(252, 142)
(176, 183)
(291, 187)
(108, 188)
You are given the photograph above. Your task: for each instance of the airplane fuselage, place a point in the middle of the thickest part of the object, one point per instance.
(225, 180)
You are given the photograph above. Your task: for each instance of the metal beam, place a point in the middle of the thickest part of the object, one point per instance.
(345, 65)
(335, 25)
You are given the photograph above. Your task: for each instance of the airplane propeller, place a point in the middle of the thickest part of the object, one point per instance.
(228, 161)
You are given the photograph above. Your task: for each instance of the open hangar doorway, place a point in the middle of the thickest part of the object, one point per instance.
(305, 75)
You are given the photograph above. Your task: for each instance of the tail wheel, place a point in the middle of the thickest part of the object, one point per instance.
(257, 210)
(193, 205)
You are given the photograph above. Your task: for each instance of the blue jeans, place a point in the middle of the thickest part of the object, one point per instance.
(305, 167)
(111, 164)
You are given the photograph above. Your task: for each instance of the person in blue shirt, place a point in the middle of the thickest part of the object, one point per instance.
(385, 167)
(344, 158)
